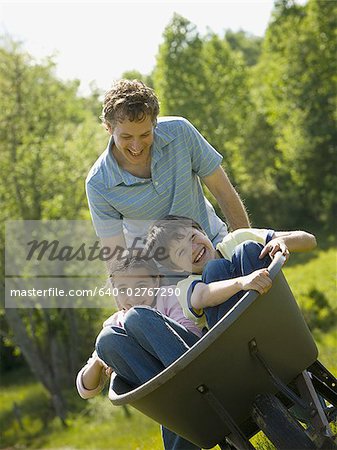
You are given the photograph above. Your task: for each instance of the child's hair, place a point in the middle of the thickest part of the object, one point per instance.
(130, 262)
(164, 231)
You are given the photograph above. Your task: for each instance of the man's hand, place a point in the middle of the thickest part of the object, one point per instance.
(258, 281)
(274, 246)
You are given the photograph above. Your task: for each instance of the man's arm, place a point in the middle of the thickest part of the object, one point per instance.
(228, 199)
(289, 241)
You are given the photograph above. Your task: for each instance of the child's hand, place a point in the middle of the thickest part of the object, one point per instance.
(108, 370)
(258, 281)
(274, 246)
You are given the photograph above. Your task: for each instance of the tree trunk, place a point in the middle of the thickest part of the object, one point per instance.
(41, 368)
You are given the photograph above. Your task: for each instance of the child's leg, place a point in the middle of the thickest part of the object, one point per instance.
(246, 258)
(163, 338)
(126, 357)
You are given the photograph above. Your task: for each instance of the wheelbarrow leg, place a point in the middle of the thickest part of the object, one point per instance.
(319, 424)
(278, 425)
(233, 443)
(237, 437)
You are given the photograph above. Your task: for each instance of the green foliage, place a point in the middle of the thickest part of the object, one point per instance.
(178, 69)
(136, 75)
(249, 45)
(227, 99)
(312, 278)
(49, 140)
(294, 88)
(269, 107)
(204, 80)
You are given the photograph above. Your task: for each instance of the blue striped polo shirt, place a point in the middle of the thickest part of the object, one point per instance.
(180, 156)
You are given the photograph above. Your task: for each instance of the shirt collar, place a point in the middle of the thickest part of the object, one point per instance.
(114, 175)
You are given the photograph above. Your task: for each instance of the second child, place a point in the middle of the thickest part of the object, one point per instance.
(146, 335)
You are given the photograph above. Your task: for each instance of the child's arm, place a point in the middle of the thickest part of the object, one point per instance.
(93, 374)
(289, 241)
(218, 292)
(92, 377)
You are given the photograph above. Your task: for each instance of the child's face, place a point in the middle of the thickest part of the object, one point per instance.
(140, 284)
(192, 251)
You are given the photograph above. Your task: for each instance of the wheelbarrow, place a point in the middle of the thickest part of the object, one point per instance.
(256, 369)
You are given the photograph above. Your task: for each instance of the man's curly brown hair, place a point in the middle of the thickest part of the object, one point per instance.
(131, 100)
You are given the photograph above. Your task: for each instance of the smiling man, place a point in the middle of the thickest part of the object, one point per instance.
(153, 167)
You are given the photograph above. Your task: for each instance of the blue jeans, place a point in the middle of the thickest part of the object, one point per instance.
(148, 344)
(244, 261)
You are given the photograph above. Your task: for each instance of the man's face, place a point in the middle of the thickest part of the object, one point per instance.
(135, 287)
(192, 251)
(133, 141)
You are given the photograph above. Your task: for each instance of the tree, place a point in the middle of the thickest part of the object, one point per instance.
(225, 98)
(48, 143)
(136, 75)
(295, 85)
(248, 44)
(204, 80)
(178, 73)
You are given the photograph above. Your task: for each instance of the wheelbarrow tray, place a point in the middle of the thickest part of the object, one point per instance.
(221, 363)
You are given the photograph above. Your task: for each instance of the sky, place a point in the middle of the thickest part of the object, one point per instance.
(97, 42)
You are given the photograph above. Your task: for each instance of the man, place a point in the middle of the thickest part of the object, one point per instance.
(152, 167)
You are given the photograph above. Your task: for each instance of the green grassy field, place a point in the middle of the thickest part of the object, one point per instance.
(95, 424)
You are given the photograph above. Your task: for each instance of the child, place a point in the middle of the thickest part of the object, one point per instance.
(138, 342)
(237, 264)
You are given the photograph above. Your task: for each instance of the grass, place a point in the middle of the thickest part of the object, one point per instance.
(314, 285)
(95, 424)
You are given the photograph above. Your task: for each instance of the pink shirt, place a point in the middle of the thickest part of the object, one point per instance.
(168, 305)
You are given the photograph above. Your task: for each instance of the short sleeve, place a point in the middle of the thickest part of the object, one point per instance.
(182, 288)
(106, 220)
(205, 159)
(196, 312)
(229, 242)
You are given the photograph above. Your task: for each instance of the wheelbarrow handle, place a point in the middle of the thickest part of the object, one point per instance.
(276, 264)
